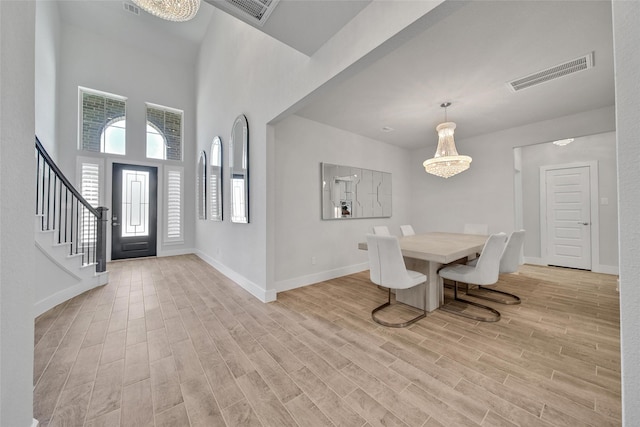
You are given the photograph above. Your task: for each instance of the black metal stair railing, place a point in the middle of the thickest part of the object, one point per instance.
(63, 210)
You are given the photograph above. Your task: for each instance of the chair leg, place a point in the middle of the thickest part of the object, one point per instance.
(397, 325)
(515, 300)
(495, 313)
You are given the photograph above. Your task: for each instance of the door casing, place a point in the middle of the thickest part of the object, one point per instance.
(595, 219)
(153, 211)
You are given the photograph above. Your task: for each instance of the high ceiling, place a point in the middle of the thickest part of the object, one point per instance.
(466, 58)
(305, 25)
(108, 18)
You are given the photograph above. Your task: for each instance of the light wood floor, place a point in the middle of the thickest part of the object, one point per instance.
(172, 342)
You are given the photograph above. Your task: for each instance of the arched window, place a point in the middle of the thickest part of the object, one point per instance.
(164, 133)
(112, 139)
(156, 143)
(102, 126)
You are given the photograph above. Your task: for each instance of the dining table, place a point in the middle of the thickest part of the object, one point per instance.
(426, 253)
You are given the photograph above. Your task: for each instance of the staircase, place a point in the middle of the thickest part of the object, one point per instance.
(70, 256)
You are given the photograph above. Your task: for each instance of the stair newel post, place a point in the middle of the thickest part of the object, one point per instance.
(101, 243)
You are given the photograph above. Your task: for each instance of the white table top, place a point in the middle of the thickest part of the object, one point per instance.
(439, 247)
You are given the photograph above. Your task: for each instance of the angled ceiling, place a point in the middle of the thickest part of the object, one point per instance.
(305, 25)
(467, 58)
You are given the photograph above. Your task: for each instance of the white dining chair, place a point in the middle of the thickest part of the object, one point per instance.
(381, 230)
(387, 269)
(485, 272)
(407, 230)
(480, 229)
(512, 256)
(510, 261)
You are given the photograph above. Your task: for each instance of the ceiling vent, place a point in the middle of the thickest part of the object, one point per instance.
(255, 11)
(130, 7)
(579, 64)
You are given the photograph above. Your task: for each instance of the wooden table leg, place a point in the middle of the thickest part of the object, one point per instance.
(415, 296)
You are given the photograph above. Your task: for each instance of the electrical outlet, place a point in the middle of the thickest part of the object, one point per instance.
(313, 260)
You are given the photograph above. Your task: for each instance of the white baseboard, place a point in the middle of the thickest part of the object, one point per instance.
(175, 252)
(298, 282)
(68, 293)
(606, 269)
(264, 295)
(534, 261)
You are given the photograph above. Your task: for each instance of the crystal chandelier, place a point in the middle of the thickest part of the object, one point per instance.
(446, 162)
(171, 10)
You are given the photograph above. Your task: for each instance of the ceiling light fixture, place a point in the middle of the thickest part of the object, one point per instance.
(446, 162)
(171, 10)
(563, 142)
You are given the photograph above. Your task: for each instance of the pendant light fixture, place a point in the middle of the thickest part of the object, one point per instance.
(171, 10)
(446, 162)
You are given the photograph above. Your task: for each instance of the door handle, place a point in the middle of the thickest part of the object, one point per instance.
(115, 224)
(583, 223)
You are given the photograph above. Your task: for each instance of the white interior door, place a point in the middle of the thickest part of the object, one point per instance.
(568, 215)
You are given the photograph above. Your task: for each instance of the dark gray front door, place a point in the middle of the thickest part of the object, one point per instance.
(134, 211)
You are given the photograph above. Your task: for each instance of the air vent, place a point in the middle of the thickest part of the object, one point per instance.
(255, 11)
(579, 64)
(130, 7)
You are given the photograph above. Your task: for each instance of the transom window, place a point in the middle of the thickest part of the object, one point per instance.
(103, 124)
(164, 133)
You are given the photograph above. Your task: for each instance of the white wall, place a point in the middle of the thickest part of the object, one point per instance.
(600, 148)
(300, 232)
(93, 61)
(233, 79)
(47, 55)
(626, 39)
(17, 166)
(250, 73)
(485, 193)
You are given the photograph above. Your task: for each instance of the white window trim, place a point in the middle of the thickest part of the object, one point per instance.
(81, 90)
(172, 110)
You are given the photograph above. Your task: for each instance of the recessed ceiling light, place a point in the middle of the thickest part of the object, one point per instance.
(387, 129)
(562, 142)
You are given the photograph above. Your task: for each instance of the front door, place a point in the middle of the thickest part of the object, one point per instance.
(134, 209)
(569, 217)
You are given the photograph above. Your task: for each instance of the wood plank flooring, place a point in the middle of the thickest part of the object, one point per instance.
(172, 342)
